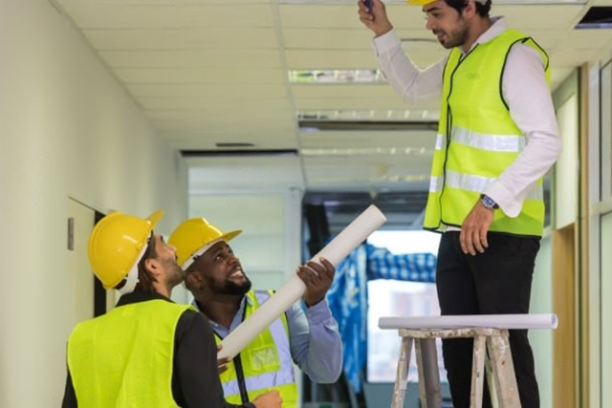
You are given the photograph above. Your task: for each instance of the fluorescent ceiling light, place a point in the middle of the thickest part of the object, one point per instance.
(336, 76)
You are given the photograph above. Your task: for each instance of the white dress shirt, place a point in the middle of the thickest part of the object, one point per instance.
(525, 91)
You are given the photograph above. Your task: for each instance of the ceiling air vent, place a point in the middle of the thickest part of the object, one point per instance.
(237, 145)
(596, 18)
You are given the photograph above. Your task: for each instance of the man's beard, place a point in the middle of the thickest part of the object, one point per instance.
(231, 288)
(176, 276)
(457, 37)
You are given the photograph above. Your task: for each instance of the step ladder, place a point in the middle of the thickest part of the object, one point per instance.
(500, 369)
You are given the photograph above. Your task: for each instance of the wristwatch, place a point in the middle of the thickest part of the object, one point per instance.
(488, 202)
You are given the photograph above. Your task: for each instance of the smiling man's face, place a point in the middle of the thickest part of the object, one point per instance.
(221, 271)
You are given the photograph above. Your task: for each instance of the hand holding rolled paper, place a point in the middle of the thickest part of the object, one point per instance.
(317, 278)
(338, 249)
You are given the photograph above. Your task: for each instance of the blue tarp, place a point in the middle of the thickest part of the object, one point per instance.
(348, 297)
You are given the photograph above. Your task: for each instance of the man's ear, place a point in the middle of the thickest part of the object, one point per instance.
(193, 281)
(153, 267)
(470, 10)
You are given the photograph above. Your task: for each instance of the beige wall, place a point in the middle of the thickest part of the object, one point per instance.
(66, 129)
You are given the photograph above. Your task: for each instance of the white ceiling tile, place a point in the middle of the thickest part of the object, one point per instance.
(220, 124)
(343, 91)
(194, 118)
(587, 39)
(204, 58)
(341, 59)
(344, 16)
(353, 39)
(89, 15)
(192, 107)
(402, 17)
(198, 67)
(170, 3)
(183, 38)
(203, 75)
(330, 59)
(341, 39)
(540, 16)
(363, 139)
(224, 91)
(547, 39)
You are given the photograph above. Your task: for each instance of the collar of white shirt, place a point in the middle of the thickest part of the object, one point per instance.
(499, 26)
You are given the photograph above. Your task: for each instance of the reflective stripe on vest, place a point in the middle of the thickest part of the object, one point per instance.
(493, 143)
(477, 184)
(124, 358)
(478, 139)
(266, 362)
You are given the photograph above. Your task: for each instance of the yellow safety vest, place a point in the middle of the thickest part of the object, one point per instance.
(478, 140)
(264, 365)
(124, 358)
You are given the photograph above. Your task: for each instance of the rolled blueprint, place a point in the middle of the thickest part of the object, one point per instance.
(338, 249)
(505, 321)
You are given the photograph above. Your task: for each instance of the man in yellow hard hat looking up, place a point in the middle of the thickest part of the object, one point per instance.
(148, 351)
(497, 138)
(222, 292)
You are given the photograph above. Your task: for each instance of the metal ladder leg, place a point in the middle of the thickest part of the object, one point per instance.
(399, 392)
(503, 371)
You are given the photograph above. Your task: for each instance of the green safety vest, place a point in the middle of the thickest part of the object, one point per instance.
(478, 140)
(124, 358)
(264, 365)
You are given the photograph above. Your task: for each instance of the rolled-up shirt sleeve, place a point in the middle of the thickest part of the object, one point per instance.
(531, 107)
(412, 84)
(316, 346)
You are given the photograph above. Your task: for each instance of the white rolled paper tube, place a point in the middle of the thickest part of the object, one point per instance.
(505, 321)
(338, 249)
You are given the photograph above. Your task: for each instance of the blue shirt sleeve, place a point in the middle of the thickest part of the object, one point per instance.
(316, 346)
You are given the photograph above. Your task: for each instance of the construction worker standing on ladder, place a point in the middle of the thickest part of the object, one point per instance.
(497, 138)
(148, 352)
(222, 292)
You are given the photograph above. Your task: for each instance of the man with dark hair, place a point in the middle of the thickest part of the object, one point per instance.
(482, 7)
(223, 293)
(497, 138)
(147, 352)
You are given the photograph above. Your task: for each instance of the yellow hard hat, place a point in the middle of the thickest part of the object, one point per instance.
(116, 245)
(194, 236)
(419, 2)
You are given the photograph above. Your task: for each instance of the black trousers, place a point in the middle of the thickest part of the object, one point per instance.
(497, 281)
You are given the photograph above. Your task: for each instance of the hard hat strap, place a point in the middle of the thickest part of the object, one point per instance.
(131, 279)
